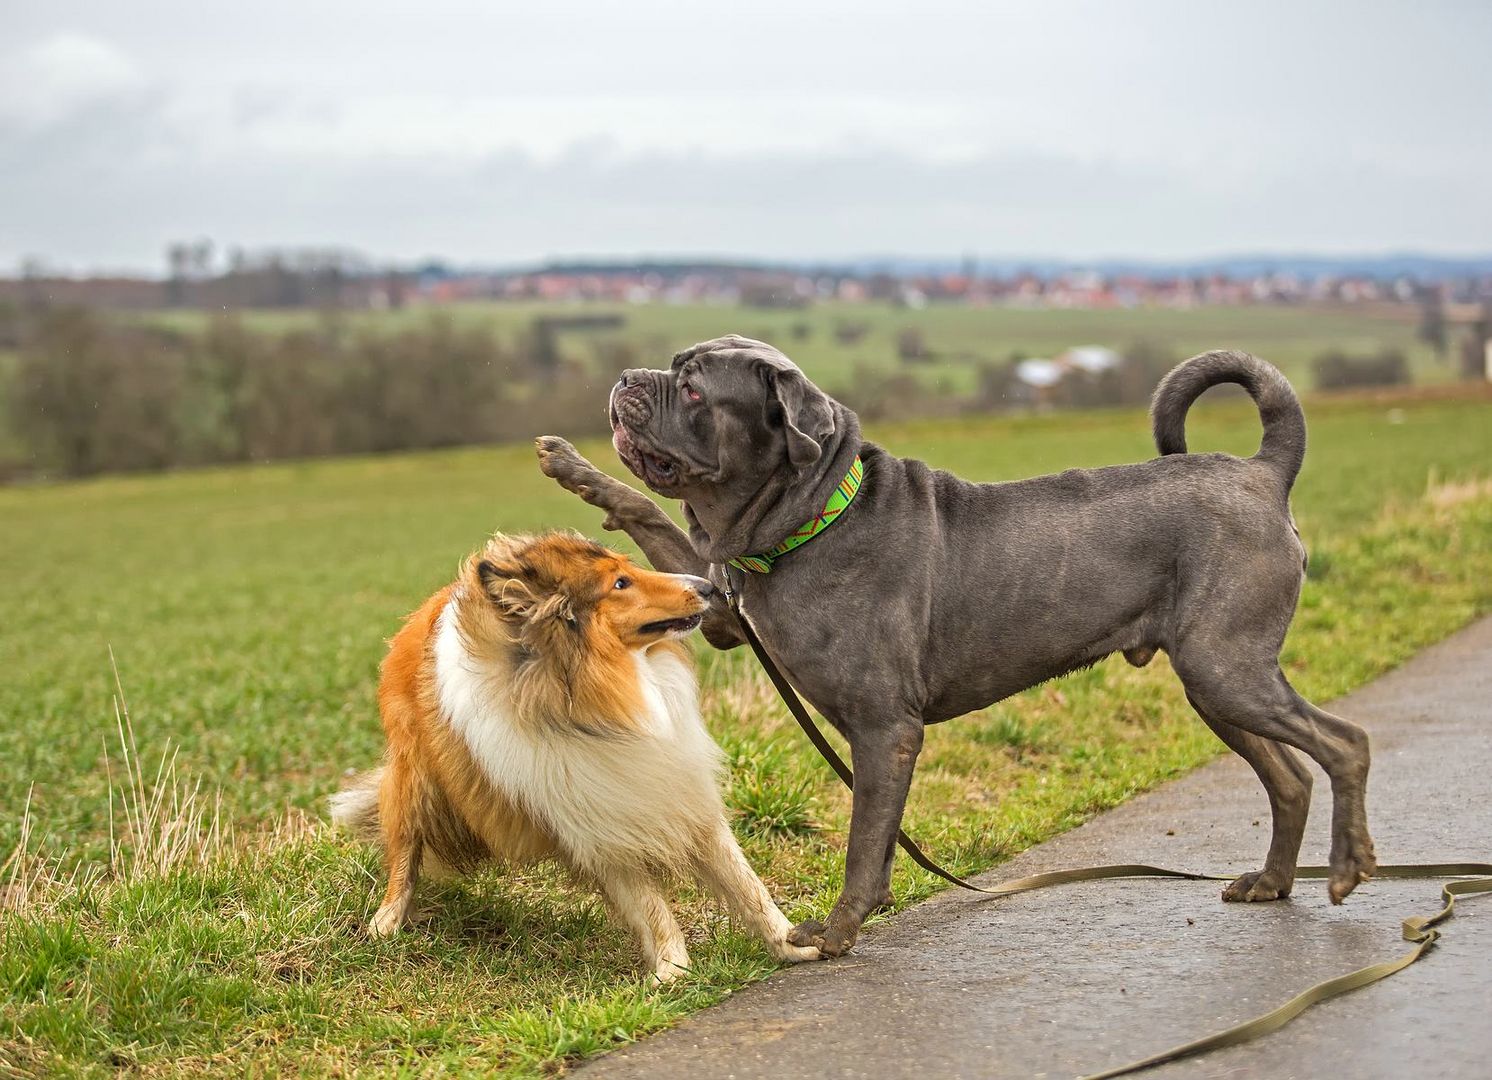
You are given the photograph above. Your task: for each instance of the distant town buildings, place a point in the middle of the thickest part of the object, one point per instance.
(331, 278)
(1076, 289)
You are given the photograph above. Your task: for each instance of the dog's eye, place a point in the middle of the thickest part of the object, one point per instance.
(622, 583)
(689, 392)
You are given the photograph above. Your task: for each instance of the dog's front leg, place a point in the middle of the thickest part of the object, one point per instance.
(639, 903)
(722, 866)
(628, 510)
(883, 753)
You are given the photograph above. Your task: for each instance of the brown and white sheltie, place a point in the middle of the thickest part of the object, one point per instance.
(544, 706)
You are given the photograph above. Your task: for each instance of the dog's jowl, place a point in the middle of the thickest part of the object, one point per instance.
(895, 595)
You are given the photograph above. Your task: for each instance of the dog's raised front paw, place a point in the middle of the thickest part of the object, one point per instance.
(560, 461)
(825, 937)
(1258, 886)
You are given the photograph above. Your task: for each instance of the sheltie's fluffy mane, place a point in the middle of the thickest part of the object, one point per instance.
(544, 704)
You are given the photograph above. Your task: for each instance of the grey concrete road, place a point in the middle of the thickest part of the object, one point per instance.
(1071, 980)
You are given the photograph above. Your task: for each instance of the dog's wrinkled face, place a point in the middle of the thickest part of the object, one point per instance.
(727, 411)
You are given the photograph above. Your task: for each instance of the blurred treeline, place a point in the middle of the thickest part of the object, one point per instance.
(91, 393)
(84, 391)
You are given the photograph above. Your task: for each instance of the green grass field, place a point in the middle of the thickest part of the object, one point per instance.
(1290, 337)
(247, 608)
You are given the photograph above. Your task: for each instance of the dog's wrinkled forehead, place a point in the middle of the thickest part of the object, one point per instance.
(735, 351)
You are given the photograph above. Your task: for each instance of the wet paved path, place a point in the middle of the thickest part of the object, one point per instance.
(1070, 980)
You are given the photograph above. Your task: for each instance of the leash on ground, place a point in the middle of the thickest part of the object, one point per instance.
(1417, 929)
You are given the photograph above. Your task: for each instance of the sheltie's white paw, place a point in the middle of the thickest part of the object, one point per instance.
(386, 921)
(795, 954)
(669, 971)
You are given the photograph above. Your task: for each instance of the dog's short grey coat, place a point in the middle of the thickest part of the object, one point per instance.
(931, 596)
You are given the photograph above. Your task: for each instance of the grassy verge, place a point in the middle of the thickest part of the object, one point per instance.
(164, 932)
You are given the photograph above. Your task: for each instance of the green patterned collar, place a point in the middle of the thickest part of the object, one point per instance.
(843, 495)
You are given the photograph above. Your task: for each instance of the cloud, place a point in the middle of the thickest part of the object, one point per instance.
(54, 79)
(486, 138)
(95, 195)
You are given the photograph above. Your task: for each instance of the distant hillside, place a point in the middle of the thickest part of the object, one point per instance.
(1302, 265)
(1407, 264)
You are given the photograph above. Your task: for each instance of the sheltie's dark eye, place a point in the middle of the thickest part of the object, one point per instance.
(622, 583)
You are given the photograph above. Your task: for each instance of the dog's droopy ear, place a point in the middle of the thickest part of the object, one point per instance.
(807, 418)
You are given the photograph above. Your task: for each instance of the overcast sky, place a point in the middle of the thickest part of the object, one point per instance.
(483, 133)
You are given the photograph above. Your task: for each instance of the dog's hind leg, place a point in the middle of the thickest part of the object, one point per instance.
(637, 902)
(723, 868)
(1287, 782)
(1352, 858)
(1269, 707)
(402, 848)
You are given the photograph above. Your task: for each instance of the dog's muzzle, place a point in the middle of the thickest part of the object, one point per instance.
(631, 404)
(630, 410)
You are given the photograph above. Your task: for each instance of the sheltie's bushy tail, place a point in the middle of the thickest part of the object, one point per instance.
(355, 807)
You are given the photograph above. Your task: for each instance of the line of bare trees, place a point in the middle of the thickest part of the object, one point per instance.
(92, 394)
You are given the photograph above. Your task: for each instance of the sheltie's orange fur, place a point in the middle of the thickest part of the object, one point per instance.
(543, 705)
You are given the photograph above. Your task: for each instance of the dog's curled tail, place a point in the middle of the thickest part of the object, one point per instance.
(355, 807)
(1284, 443)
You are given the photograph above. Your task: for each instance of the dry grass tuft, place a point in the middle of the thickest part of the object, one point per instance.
(24, 874)
(35, 882)
(165, 822)
(1443, 495)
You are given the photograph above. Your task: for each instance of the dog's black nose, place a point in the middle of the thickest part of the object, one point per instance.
(704, 589)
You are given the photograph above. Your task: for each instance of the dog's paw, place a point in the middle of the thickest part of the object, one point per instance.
(795, 954)
(1257, 887)
(825, 937)
(560, 461)
(1351, 869)
(667, 972)
(807, 934)
(386, 921)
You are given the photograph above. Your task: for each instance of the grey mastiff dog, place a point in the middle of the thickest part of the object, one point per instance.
(929, 596)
